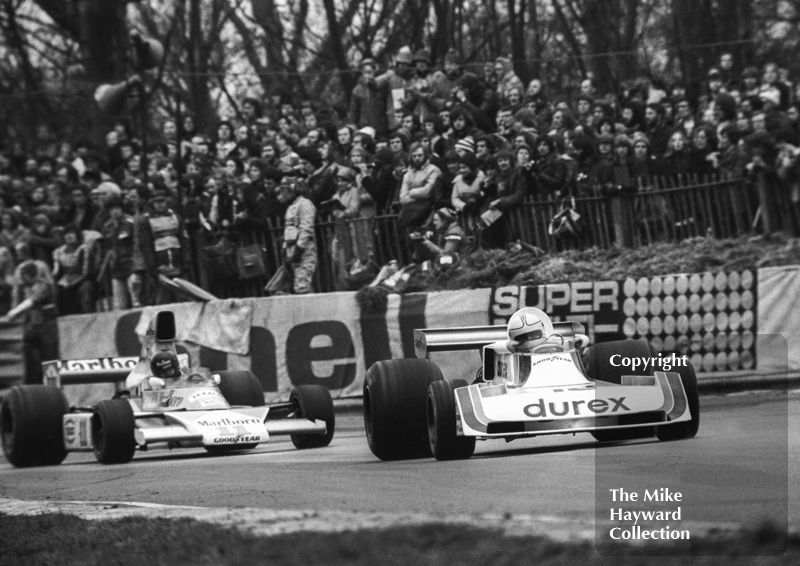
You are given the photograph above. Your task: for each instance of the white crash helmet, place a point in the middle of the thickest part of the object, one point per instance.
(529, 327)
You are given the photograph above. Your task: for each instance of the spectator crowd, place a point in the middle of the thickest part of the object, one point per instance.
(446, 149)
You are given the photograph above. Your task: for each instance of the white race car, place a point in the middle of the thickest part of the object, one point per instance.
(221, 412)
(563, 386)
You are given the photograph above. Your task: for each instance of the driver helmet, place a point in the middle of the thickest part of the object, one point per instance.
(165, 364)
(526, 329)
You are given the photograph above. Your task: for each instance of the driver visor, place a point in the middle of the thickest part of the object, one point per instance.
(528, 336)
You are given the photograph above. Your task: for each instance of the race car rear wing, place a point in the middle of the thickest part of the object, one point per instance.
(427, 340)
(100, 370)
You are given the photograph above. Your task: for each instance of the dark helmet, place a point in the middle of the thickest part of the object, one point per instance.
(165, 364)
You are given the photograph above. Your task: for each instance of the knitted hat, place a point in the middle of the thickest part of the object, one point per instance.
(369, 62)
(641, 137)
(466, 144)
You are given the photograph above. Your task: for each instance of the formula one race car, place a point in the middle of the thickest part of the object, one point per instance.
(166, 402)
(537, 377)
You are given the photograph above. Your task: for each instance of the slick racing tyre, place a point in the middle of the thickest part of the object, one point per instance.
(688, 429)
(31, 425)
(241, 388)
(314, 403)
(444, 442)
(597, 362)
(113, 427)
(395, 407)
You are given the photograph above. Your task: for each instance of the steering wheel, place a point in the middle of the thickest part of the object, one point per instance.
(550, 347)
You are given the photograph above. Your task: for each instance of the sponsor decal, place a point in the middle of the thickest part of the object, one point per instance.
(208, 393)
(229, 421)
(76, 432)
(709, 317)
(99, 364)
(237, 439)
(539, 410)
(567, 359)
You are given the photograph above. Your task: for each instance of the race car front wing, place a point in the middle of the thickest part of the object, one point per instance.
(639, 401)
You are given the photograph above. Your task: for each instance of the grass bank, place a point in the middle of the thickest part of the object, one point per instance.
(61, 539)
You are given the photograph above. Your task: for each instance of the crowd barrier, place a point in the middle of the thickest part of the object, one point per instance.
(721, 321)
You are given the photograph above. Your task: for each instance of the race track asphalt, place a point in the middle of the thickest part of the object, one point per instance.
(743, 467)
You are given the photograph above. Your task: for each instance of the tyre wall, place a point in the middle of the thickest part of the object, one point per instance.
(328, 339)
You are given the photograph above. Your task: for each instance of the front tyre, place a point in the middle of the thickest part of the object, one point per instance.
(597, 362)
(687, 429)
(241, 388)
(444, 441)
(113, 428)
(395, 413)
(31, 425)
(313, 403)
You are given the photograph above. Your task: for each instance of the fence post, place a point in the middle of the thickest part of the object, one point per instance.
(621, 214)
(765, 200)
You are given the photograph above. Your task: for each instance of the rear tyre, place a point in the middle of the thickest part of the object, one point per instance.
(395, 407)
(444, 441)
(688, 429)
(113, 428)
(597, 362)
(241, 388)
(314, 403)
(31, 425)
